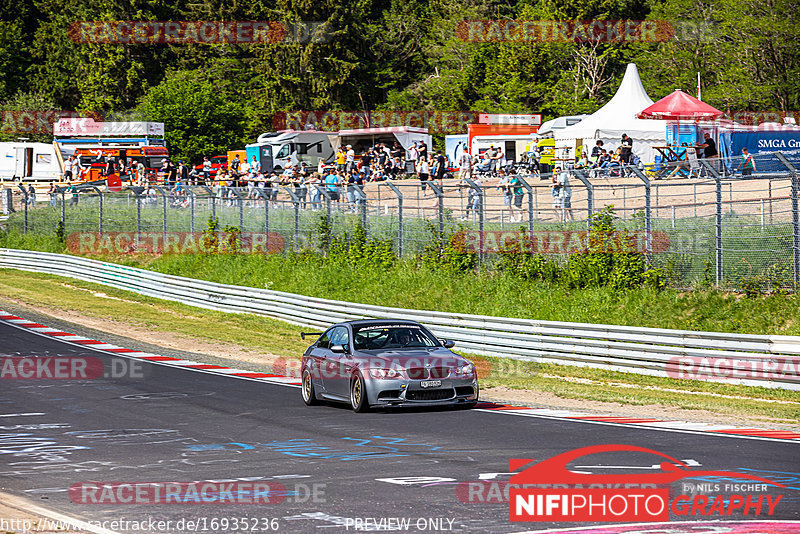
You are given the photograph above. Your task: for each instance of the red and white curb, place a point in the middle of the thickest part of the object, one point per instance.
(524, 411)
(147, 356)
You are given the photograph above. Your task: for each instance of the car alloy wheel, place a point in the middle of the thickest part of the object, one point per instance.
(358, 394)
(309, 395)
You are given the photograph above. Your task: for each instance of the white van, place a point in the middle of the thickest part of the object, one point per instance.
(291, 147)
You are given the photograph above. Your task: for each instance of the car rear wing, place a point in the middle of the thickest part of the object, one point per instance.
(315, 334)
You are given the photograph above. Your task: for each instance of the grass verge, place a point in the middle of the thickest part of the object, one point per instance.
(254, 333)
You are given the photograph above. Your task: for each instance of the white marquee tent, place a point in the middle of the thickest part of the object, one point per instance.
(617, 117)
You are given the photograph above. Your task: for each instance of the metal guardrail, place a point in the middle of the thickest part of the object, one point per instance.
(760, 360)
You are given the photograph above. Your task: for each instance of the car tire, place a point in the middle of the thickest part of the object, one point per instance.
(358, 394)
(307, 388)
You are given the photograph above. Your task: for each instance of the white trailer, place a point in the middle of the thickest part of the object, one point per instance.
(363, 138)
(20, 160)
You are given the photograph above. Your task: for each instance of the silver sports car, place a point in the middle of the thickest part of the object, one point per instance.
(381, 363)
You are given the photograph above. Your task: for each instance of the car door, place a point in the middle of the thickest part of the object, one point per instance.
(337, 380)
(320, 359)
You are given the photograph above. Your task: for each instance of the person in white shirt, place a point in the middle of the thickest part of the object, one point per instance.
(350, 158)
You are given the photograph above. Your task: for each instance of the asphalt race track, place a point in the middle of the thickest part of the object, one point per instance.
(166, 424)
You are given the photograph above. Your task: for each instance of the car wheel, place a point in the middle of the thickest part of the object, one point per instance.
(358, 394)
(309, 395)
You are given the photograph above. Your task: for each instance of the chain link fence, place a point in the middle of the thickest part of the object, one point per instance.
(726, 230)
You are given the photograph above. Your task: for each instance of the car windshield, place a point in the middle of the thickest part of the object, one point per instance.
(391, 337)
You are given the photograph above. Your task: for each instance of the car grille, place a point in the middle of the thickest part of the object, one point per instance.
(429, 395)
(465, 390)
(421, 373)
(389, 393)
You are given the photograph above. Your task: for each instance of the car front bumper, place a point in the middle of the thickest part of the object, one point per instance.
(382, 392)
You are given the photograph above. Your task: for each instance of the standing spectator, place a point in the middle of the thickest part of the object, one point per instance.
(366, 162)
(747, 165)
(31, 195)
(110, 166)
(206, 169)
(565, 192)
(183, 173)
(68, 169)
(398, 152)
(352, 194)
(423, 170)
(300, 188)
(53, 192)
(474, 198)
(350, 159)
(441, 167)
(502, 185)
(140, 173)
(341, 159)
(423, 150)
(710, 149)
(500, 158)
(517, 192)
(413, 153)
(465, 164)
(235, 166)
(172, 175)
(332, 183)
(491, 156)
(275, 181)
(321, 166)
(627, 149)
(312, 183)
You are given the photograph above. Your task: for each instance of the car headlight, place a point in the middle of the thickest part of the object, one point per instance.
(465, 371)
(385, 373)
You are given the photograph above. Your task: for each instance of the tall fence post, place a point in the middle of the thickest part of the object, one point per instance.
(164, 206)
(192, 200)
(439, 204)
(478, 191)
(581, 175)
(531, 214)
(100, 211)
(648, 219)
(400, 237)
(213, 198)
(362, 204)
(265, 195)
(717, 218)
(24, 205)
(296, 202)
(795, 216)
(63, 192)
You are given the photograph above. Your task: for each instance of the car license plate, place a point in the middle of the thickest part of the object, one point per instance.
(430, 383)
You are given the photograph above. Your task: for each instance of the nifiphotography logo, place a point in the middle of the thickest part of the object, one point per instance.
(549, 491)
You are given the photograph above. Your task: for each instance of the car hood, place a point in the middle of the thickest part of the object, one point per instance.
(415, 357)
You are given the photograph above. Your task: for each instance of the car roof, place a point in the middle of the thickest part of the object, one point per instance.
(378, 322)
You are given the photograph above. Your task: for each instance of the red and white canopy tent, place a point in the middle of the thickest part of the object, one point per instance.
(679, 106)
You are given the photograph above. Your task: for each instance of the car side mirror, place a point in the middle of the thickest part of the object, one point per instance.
(338, 349)
(448, 343)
